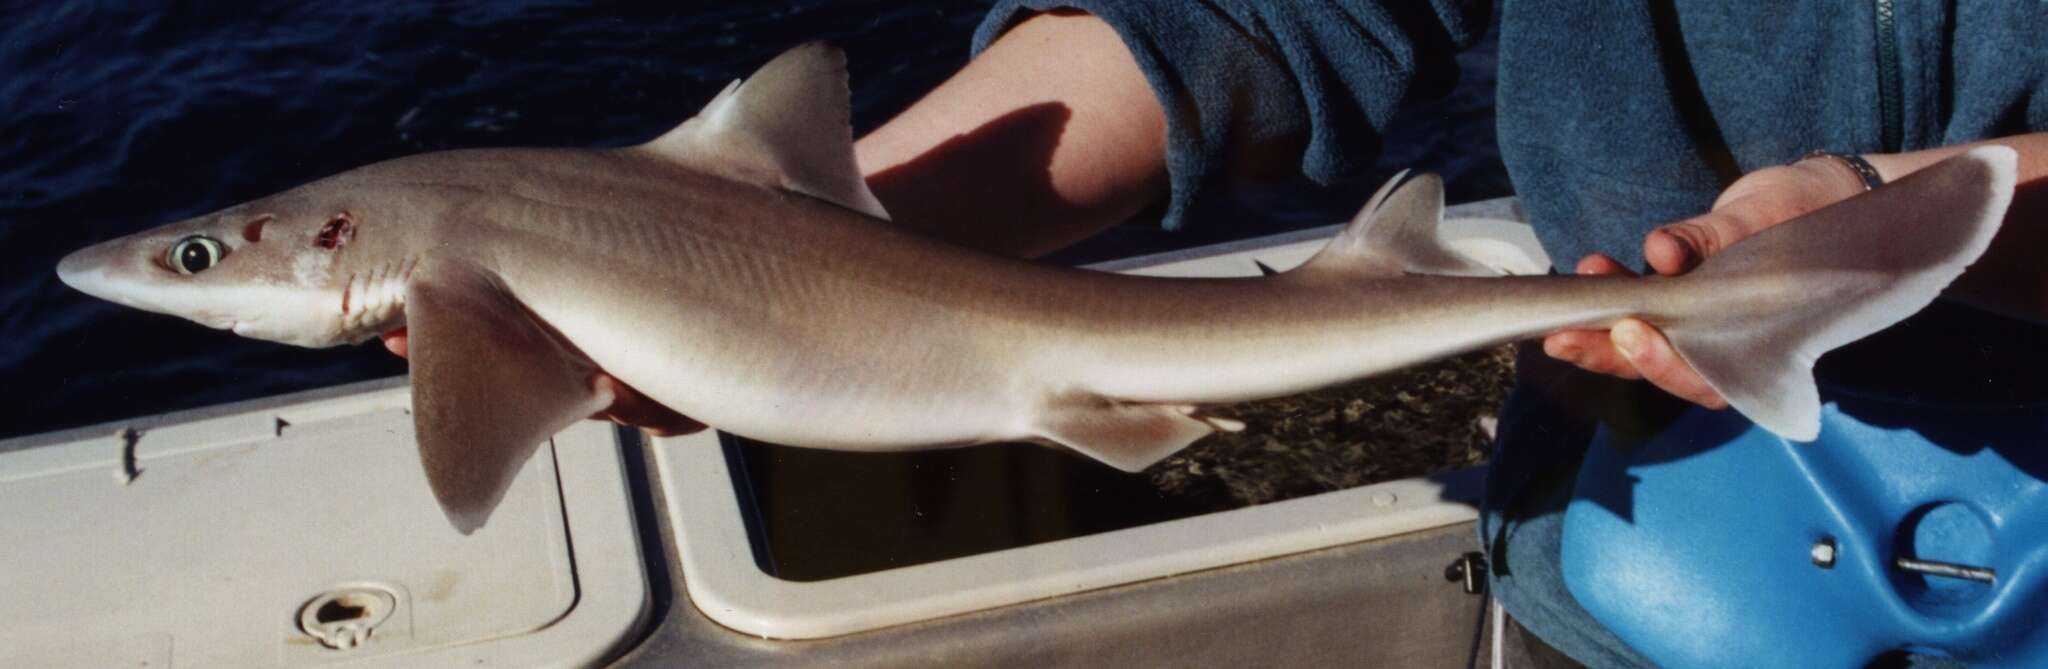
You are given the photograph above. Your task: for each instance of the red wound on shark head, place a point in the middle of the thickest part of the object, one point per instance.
(337, 232)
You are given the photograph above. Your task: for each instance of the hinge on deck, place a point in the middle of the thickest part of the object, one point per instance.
(1470, 570)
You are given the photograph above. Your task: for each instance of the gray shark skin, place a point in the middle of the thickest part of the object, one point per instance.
(738, 270)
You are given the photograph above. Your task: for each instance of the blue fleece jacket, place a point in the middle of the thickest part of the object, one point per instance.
(1613, 117)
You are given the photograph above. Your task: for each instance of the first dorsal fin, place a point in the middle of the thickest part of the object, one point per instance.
(786, 127)
(1395, 234)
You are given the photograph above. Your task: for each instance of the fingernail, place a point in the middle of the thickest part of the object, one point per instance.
(1626, 339)
(1568, 353)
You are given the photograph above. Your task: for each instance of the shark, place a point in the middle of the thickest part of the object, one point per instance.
(738, 270)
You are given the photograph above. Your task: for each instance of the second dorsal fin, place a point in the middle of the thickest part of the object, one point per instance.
(786, 126)
(1395, 234)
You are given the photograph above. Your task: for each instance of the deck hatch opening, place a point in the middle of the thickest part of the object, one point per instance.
(345, 617)
(347, 608)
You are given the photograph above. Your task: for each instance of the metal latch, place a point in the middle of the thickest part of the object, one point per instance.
(1947, 570)
(344, 618)
(1470, 570)
(1825, 553)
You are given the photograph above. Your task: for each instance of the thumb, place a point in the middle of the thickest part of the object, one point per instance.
(1681, 246)
(395, 341)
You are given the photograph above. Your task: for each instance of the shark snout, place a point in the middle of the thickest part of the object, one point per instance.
(82, 271)
(94, 269)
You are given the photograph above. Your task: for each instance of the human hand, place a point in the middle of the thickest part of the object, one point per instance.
(628, 407)
(1633, 349)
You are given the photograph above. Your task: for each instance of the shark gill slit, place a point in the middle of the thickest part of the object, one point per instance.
(347, 288)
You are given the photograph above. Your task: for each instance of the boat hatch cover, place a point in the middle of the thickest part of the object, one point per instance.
(304, 534)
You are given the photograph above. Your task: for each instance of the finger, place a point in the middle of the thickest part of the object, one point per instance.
(1651, 355)
(1600, 264)
(1590, 350)
(394, 341)
(629, 407)
(1669, 249)
(1680, 246)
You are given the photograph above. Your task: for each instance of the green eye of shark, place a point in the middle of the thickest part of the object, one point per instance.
(195, 254)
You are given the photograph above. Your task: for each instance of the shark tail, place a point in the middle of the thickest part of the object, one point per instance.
(1834, 276)
(1751, 320)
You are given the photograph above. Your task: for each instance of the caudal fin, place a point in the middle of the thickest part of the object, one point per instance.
(1835, 276)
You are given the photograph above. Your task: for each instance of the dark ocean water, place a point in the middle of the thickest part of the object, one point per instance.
(117, 117)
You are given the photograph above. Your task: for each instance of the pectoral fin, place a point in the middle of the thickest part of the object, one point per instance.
(1127, 436)
(490, 383)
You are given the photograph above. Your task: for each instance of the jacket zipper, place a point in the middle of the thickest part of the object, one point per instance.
(1888, 102)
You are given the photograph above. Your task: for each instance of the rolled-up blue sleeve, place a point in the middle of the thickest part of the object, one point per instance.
(1266, 91)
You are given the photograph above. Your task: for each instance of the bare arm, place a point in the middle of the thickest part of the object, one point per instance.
(1049, 136)
(2008, 279)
